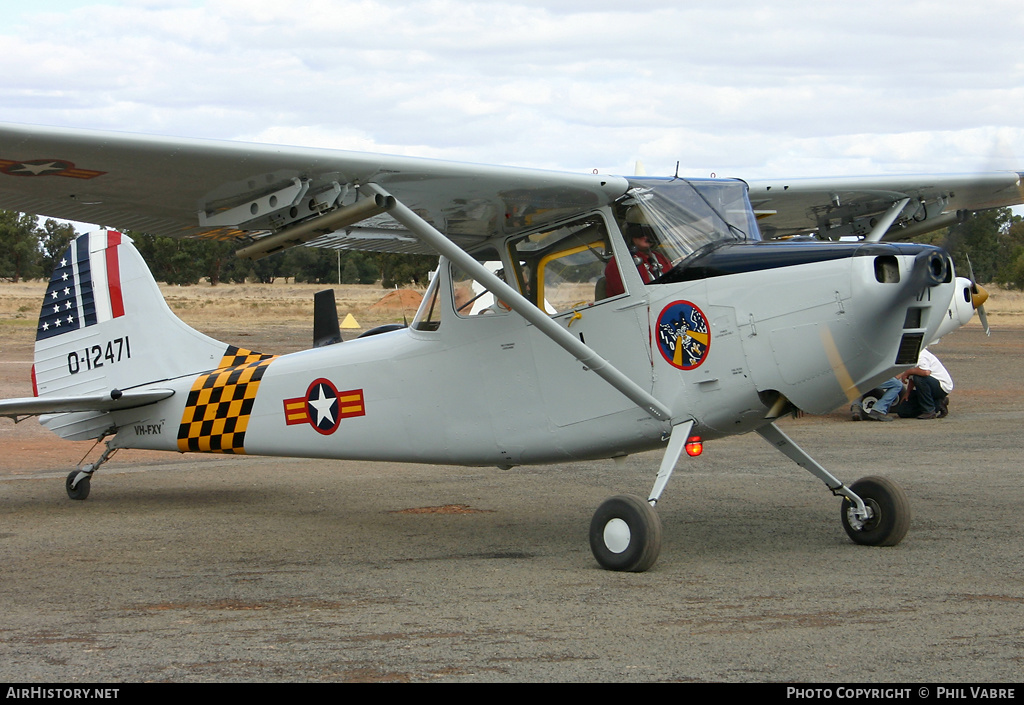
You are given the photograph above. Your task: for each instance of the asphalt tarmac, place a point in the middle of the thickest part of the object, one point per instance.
(237, 569)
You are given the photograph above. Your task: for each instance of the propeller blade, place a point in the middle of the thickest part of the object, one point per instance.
(978, 297)
(984, 320)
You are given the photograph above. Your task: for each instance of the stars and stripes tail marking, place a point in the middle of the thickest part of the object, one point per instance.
(85, 287)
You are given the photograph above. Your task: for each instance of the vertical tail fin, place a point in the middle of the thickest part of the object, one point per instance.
(104, 325)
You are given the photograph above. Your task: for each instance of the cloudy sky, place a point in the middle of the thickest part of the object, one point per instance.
(736, 88)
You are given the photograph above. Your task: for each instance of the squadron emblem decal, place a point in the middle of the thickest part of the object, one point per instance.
(324, 407)
(684, 336)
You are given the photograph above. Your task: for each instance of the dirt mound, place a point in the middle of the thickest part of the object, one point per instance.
(401, 300)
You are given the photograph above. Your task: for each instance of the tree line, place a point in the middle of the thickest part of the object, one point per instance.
(29, 248)
(992, 239)
(994, 242)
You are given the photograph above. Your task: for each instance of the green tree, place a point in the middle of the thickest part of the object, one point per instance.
(171, 260)
(54, 240)
(979, 238)
(216, 260)
(396, 270)
(19, 246)
(1010, 273)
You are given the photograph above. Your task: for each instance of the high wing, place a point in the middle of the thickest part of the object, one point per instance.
(877, 208)
(245, 192)
(266, 197)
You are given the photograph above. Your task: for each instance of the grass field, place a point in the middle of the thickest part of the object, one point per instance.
(239, 305)
(203, 306)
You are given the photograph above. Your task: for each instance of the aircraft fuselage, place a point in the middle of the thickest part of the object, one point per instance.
(815, 324)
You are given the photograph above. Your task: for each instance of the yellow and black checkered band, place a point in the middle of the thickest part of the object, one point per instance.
(218, 407)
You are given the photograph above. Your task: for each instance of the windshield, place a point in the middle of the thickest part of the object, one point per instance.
(687, 216)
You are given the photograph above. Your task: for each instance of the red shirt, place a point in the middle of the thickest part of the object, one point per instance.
(651, 265)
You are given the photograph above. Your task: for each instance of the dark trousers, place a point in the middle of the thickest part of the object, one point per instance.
(924, 399)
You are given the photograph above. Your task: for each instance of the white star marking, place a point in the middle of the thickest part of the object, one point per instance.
(37, 169)
(323, 405)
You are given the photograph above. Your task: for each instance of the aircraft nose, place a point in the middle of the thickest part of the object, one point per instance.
(978, 297)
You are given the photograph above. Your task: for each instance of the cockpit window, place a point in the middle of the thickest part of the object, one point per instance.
(684, 216)
(470, 296)
(564, 268)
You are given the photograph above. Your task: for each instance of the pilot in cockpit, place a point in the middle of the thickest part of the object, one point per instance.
(649, 262)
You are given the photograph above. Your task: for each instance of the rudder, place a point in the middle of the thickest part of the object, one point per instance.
(104, 325)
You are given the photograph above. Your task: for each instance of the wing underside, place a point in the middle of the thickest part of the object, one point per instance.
(245, 192)
(265, 197)
(878, 208)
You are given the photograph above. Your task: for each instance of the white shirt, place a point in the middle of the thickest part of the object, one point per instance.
(929, 362)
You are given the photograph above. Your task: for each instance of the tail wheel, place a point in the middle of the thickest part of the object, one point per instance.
(890, 513)
(625, 534)
(79, 490)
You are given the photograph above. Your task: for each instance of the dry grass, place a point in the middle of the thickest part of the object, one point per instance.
(203, 306)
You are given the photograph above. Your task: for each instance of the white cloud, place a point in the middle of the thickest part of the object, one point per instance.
(744, 88)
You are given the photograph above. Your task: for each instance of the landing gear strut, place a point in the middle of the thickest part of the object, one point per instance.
(625, 533)
(78, 481)
(875, 511)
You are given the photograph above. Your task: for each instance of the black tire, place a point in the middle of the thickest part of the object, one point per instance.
(890, 508)
(79, 491)
(625, 534)
(869, 400)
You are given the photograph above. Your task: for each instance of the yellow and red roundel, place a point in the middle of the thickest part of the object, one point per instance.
(324, 407)
(683, 335)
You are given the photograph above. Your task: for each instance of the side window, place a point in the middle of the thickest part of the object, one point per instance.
(471, 298)
(566, 267)
(428, 315)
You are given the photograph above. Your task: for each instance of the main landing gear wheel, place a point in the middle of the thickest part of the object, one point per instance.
(890, 513)
(80, 490)
(625, 534)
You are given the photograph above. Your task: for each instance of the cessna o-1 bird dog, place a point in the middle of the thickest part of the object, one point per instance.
(721, 333)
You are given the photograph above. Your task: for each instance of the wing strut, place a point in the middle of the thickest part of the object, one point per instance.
(520, 304)
(882, 226)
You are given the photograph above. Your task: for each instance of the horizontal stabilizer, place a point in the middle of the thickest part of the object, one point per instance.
(109, 401)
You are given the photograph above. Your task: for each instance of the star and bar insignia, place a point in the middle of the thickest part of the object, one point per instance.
(323, 407)
(46, 167)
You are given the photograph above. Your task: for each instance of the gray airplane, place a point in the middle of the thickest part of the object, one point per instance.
(571, 316)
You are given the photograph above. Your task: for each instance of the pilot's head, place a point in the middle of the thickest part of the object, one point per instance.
(638, 231)
(641, 237)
